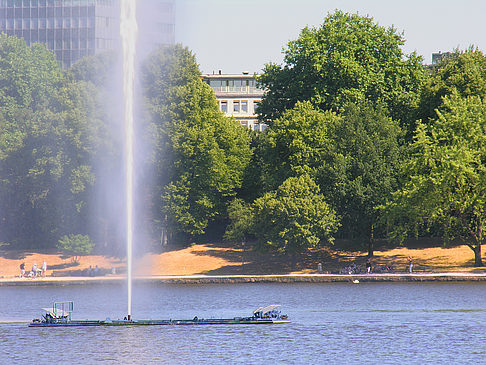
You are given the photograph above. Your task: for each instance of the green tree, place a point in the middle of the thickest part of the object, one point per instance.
(95, 69)
(297, 143)
(349, 58)
(100, 74)
(293, 218)
(445, 178)
(354, 158)
(463, 73)
(362, 168)
(75, 245)
(45, 146)
(200, 155)
(240, 215)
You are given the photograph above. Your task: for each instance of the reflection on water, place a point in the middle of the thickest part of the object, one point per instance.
(332, 323)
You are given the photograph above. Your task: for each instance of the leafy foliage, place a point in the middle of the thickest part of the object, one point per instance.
(100, 75)
(45, 146)
(294, 217)
(200, 154)
(354, 158)
(362, 168)
(296, 143)
(445, 178)
(240, 215)
(76, 245)
(341, 110)
(349, 58)
(463, 73)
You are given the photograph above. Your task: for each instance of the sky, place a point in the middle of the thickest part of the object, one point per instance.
(243, 35)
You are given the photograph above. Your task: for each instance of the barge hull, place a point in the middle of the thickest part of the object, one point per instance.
(163, 322)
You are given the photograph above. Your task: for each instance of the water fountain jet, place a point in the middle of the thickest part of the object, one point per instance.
(128, 33)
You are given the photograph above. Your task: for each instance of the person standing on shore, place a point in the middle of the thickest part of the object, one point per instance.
(368, 265)
(34, 270)
(22, 269)
(44, 268)
(410, 264)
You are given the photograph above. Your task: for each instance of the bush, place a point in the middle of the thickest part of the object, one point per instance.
(75, 245)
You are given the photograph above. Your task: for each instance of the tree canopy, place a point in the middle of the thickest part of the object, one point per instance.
(463, 73)
(46, 142)
(349, 58)
(294, 217)
(353, 157)
(200, 154)
(75, 245)
(296, 143)
(354, 125)
(445, 177)
(362, 166)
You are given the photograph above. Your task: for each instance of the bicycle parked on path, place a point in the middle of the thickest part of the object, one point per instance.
(350, 270)
(387, 269)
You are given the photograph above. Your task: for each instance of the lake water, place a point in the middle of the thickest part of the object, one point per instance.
(377, 323)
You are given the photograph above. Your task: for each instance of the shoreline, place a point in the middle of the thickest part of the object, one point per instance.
(242, 279)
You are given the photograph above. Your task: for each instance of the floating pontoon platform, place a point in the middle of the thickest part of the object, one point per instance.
(60, 316)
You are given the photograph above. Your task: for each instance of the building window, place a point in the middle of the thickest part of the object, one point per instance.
(238, 85)
(244, 107)
(224, 106)
(236, 106)
(255, 105)
(215, 84)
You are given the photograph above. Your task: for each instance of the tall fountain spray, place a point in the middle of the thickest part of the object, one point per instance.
(128, 32)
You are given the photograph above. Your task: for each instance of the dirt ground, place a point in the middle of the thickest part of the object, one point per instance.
(219, 259)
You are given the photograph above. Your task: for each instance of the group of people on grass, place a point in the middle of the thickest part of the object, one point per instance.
(389, 268)
(35, 271)
(93, 271)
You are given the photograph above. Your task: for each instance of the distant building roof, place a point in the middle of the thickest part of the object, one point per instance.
(438, 57)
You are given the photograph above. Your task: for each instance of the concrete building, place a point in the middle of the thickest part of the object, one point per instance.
(238, 97)
(156, 24)
(73, 29)
(438, 57)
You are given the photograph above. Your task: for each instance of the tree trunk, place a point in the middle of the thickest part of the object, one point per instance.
(371, 243)
(293, 261)
(478, 262)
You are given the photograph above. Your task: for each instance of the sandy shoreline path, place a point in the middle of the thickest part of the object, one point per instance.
(220, 263)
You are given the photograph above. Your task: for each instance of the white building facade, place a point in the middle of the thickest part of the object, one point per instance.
(238, 97)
